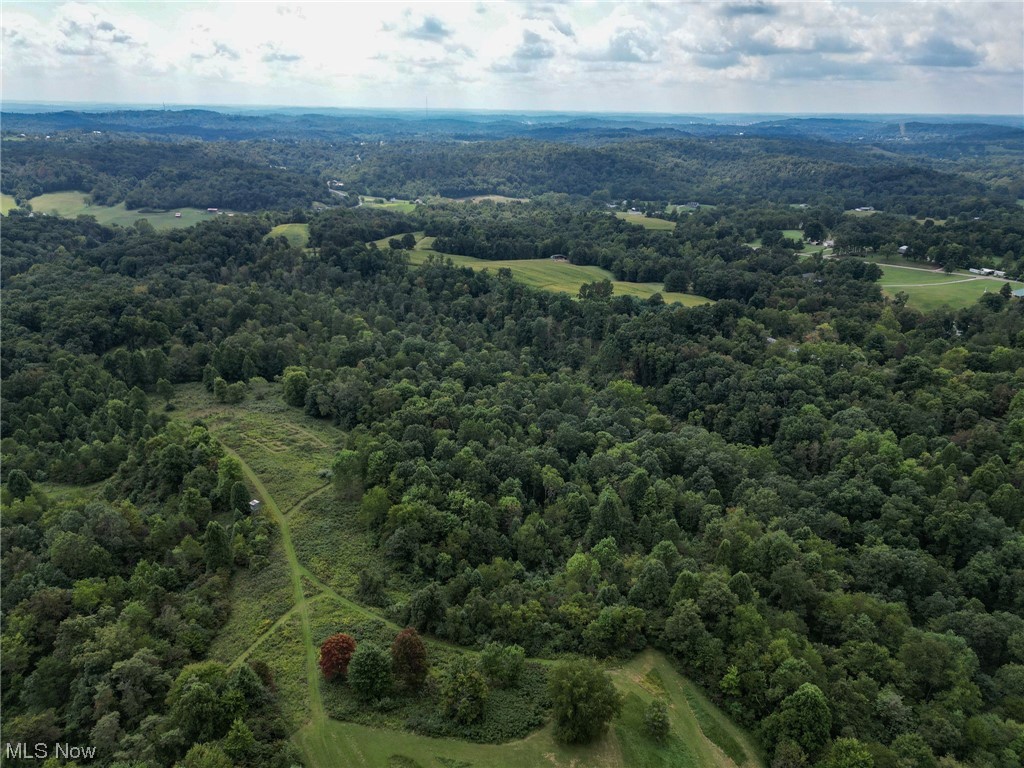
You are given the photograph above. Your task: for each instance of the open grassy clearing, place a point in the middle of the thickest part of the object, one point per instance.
(489, 198)
(403, 206)
(561, 277)
(72, 204)
(297, 235)
(931, 290)
(647, 222)
(286, 448)
(7, 202)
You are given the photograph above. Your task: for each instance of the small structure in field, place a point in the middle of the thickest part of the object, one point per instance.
(177, 215)
(559, 257)
(902, 250)
(254, 506)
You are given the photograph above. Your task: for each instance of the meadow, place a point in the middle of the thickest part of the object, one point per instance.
(7, 202)
(297, 235)
(560, 277)
(930, 290)
(647, 222)
(71, 204)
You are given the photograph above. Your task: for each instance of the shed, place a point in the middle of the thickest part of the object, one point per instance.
(254, 505)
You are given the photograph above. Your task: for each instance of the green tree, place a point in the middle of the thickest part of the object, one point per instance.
(18, 484)
(805, 718)
(369, 672)
(348, 475)
(206, 756)
(463, 690)
(584, 701)
(294, 385)
(239, 743)
(503, 664)
(848, 753)
(656, 722)
(216, 546)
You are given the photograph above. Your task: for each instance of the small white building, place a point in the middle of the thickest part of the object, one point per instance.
(254, 505)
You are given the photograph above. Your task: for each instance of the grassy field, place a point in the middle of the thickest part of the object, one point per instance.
(72, 204)
(296, 234)
(647, 222)
(560, 277)
(402, 206)
(281, 612)
(6, 204)
(931, 290)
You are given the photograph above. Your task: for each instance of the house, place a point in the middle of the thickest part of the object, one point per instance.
(211, 210)
(254, 505)
(998, 273)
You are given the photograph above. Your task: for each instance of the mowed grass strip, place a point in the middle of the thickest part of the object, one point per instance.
(71, 204)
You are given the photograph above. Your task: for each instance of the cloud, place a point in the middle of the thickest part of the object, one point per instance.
(534, 47)
(733, 10)
(220, 50)
(432, 29)
(272, 54)
(942, 52)
(628, 46)
(82, 33)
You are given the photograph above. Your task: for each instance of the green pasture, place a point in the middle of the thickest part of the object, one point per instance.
(560, 277)
(647, 222)
(297, 235)
(931, 290)
(402, 206)
(72, 204)
(6, 204)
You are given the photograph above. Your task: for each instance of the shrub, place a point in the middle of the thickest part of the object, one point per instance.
(369, 672)
(409, 658)
(503, 664)
(584, 700)
(656, 724)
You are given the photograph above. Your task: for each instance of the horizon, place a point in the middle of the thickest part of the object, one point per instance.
(95, 107)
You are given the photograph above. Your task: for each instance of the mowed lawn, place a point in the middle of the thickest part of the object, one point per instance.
(297, 235)
(647, 222)
(548, 275)
(6, 204)
(72, 204)
(931, 290)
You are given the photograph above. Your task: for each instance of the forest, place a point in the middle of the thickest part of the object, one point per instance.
(795, 511)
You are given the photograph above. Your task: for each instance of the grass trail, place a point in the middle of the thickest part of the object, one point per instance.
(316, 704)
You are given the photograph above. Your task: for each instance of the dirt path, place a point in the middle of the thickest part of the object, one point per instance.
(296, 572)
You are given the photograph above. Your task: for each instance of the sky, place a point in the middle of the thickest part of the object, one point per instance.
(679, 57)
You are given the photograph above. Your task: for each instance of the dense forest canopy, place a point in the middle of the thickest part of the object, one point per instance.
(809, 496)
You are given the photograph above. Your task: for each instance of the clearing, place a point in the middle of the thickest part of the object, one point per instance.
(647, 222)
(558, 276)
(297, 235)
(929, 290)
(281, 612)
(7, 202)
(72, 204)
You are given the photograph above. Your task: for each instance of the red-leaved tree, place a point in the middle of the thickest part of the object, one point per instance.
(335, 654)
(409, 658)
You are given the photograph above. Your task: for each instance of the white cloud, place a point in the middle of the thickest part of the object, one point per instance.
(749, 54)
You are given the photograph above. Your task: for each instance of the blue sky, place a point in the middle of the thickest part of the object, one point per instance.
(744, 56)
